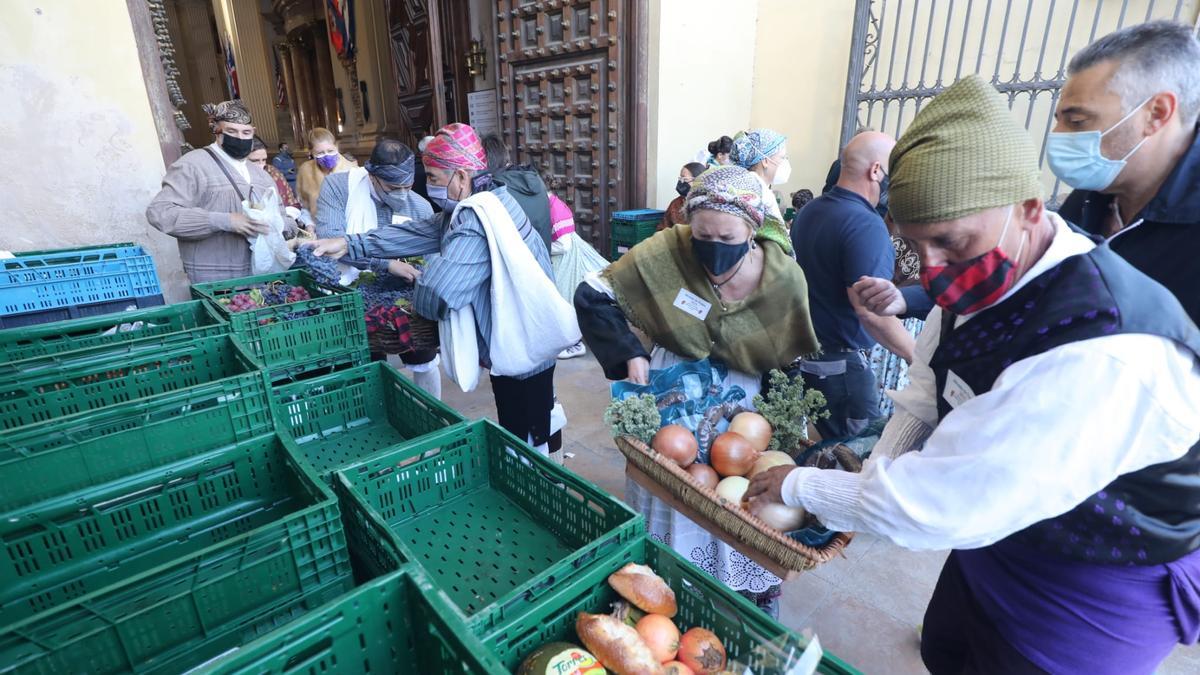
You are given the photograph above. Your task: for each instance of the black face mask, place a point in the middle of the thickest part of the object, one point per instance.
(882, 207)
(718, 257)
(682, 187)
(237, 148)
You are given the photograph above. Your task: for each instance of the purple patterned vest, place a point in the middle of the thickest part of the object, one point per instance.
(1146, 517)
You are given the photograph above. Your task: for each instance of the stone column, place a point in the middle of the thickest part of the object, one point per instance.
(256, 73)
(302, 101)
(326, 89)
(293, 101)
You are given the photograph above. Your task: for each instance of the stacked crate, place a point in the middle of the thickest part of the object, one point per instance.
(629, 228)
(182, 489)
(41, 286)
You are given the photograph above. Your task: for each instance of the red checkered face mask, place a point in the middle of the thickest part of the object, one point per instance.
(969, 286)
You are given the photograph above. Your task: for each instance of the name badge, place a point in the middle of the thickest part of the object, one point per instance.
(693, 304)
(957, 392)
(398, 219)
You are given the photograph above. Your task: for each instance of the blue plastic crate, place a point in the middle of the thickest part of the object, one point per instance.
(38, 281)
(639, 214)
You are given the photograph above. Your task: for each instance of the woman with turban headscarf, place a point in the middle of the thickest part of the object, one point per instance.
(748, 315)
(763, 152)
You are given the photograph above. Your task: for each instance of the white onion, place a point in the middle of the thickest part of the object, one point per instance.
(770, 459)
(781, 517)
(731, 489)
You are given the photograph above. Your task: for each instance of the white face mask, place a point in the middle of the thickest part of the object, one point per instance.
(782, 173)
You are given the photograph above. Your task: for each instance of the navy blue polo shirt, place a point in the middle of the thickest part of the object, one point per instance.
(839, 238)
(1165, 245)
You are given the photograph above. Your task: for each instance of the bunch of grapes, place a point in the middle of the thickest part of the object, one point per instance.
(241, 302)
(324, 270)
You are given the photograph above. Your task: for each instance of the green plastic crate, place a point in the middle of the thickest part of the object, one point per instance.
(630, 232)
(186, 320)
(399, 624)
(49, 387)
(169, 568)
(326, 331)
(345, 417)
(495, 524)
(48, 459)
(749, 636)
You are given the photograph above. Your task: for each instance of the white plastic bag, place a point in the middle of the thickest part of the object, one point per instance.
(460, 348)
(269, 252)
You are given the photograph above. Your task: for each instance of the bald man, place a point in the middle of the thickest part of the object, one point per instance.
(839, 238)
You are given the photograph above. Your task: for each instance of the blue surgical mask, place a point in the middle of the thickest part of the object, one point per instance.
(438, 194)
(1075, 157)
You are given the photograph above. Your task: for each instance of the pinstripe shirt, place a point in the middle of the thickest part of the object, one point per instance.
(461, 274)
(331, 215)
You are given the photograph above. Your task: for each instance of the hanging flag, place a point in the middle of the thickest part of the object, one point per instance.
(280, 90)
(339, 16)
(231, 70)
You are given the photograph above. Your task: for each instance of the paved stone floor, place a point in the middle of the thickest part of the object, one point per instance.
(865, 608)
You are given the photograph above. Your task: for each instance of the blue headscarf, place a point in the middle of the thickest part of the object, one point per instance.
(752, 147)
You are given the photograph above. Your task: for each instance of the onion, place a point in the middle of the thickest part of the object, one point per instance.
(676, 668)
(704, 475)
(781, 517)
(677, 443)
(731, 489)
(701, 651)
(732, 454)
(754, 428)
(770, 459)
(660, 635)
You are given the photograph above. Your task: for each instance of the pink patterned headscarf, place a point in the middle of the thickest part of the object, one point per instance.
(455, 146)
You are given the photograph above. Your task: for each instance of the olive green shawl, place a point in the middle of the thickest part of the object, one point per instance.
(769, 329)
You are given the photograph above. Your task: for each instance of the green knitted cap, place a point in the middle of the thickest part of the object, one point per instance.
(962, 154)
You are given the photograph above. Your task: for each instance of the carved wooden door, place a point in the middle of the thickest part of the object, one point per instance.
(416, 44)
(567, 105)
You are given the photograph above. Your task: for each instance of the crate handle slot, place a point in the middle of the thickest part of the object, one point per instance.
(311, 651)
(127, 499)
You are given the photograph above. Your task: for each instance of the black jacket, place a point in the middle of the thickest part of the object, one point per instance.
(525, 186)
(1166, 244)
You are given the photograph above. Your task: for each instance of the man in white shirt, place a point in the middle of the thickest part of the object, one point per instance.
(1055, 401)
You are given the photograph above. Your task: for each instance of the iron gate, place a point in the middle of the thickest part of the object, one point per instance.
(1023, 47)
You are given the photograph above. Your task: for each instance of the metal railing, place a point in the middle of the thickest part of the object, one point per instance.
(905, 52)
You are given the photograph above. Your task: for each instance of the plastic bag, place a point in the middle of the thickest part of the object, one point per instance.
(685, 392)
(269, 253)
(577, 260)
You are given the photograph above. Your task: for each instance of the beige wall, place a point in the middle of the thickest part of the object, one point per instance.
(794, 75)
(80, 122)
(696, 92)
(801, 55)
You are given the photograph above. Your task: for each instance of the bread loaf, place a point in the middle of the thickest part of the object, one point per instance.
(645, 589)
(618, 647)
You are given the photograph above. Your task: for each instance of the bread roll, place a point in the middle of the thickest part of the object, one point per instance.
(645, 589)
(618, 647)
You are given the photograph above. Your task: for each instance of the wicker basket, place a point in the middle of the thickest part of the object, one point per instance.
(776, 552)
(386, 341)
(423, 331)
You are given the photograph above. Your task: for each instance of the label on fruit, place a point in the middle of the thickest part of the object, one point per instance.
(692, 304)
(574, 662)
